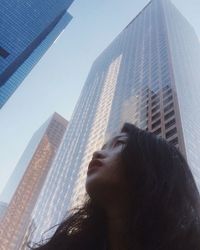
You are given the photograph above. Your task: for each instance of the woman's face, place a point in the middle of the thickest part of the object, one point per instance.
(105, 176)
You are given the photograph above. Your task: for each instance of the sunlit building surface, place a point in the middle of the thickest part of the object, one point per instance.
(3, 206)
(16, 224)
(22, 164)
(149, 76)
(28, 28)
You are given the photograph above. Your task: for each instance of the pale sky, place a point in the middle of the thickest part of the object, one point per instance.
(56, 81)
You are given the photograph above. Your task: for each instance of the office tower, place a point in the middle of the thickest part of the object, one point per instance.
(28, 234)
(149, 76)
(35, 164)
(28, 28)
(3, 207)
(21, 167)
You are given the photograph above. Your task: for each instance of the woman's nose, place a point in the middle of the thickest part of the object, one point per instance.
(98, 155)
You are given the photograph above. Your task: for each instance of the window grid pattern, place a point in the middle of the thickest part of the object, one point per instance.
(28, 30)
(17, 215)
(145, 86)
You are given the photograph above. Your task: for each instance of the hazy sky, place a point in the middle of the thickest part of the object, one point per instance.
(56, 82)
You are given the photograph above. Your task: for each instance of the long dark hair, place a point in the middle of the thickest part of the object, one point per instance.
(164, 201)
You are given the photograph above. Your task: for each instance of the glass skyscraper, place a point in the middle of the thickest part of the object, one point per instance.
(25, 184)
(3, 207)
(28, 28)
(149, 76)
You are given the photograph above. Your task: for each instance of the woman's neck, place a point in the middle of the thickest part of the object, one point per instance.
(117, 217)
(116, 234)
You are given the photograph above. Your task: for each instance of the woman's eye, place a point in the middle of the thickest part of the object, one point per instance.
(117, 143)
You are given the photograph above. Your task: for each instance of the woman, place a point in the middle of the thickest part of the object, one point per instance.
(141, 196)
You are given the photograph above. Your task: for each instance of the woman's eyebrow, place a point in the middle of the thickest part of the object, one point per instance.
(114, 139)
(119, 137)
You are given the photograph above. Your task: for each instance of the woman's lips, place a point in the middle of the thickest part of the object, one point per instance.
(94, 164)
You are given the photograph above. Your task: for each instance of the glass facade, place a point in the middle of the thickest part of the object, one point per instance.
(136, 79)
(28, 28)
(21, 167)
(186, 63)
(3, 207)
(27, 181)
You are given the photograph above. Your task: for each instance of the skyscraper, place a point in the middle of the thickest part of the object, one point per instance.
(28, 28)
(27, 181)
(3, 207)
(24, 161)
(149, 75)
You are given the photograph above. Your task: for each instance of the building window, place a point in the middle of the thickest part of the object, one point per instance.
(170, 123)
(157, 132)
(155, 124)
(170, 114)
(168, 107)
(156, 101)
(157, 115)
(156, 109)
(166, 87)
(174, 141)
(4, 53)
(171, 133)
(153, 96)
(166, 101)
(167, 93)
(155, 89)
